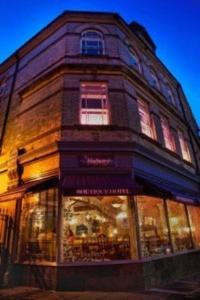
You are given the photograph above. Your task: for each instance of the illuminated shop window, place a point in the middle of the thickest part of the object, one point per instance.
(179, 227)
(154, 236)
(184, 147)
(38, 226)
(167, 134)
(154, 79)
(146, 122)
(134, 61)
(94, 104)
(95, 229)
(194, 216)
(92, 43)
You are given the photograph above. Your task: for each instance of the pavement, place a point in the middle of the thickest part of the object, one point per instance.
(28, 293)
(185, 289)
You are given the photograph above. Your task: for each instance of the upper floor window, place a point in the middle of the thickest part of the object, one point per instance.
(92, 43)
(146, 122)
(94, 104)
(168, 135)
(153, 79)
(134, 61)
(169, 95)
(184, 147)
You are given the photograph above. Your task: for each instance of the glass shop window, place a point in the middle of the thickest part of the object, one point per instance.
(194, 216)
(146, 122)
(92, 43)
(38, 226)
(7, 214)
(134, 61)
(154, 236)
(179, 227)
(95, 229)
(184, 147)
(168, 135)
(94, 104)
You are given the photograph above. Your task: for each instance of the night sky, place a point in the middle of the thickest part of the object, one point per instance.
(174, 25)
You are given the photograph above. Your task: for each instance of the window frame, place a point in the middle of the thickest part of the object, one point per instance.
(154, 82)
(88, 111)
(136, 65)
(150, 125)
(170, 145)
(99, 39)
(184, 145)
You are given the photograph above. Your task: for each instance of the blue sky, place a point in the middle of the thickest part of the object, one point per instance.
(174, 25)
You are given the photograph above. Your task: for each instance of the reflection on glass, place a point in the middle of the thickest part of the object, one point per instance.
(153, 228)
(179, 226)
(95, 229)
(38, 230)
(194, 215)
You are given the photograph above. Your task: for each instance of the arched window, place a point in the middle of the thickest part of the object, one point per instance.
(169, 95)
(92, 43)
(153, 79)
(134, 61)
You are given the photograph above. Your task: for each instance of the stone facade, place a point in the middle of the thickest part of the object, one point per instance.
(40, 131)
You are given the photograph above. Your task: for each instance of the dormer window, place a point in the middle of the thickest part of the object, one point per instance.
(153, 80)
(134, 61)
(92, 43)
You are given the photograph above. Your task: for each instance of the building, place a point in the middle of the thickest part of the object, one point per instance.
(99, 161)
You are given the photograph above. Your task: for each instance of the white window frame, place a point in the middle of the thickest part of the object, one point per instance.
(168, 135)
(184, 147)
(146, 122)
(94, 91)
(92, 36)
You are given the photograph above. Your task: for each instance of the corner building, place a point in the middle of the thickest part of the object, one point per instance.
(99, 160)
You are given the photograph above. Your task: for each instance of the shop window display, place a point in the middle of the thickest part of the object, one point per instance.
(194, 217)
(38, 226)
(179, 227)
(95, 229)
(154, 236)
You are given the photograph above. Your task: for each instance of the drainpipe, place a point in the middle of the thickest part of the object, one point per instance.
(9, 100)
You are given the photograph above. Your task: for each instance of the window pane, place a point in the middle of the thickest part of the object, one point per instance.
(38, 226)
(145, 119)
(94, 109)
(95, 229)
(167, 134)
(179, 227)
(194, 215)
(184, 147)
(153, 227)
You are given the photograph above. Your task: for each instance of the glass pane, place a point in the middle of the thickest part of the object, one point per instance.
(179, 227)
(153, 227)
(194, 215)
(94, 118)
(95, 229)
(38, 226)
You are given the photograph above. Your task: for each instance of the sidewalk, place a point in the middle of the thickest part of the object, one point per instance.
(28, 293)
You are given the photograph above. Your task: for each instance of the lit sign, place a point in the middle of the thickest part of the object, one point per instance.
(90, 192)
(96, 161)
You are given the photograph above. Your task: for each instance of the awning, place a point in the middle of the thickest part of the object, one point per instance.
(99, 185)
(19, 191)
(164, 189)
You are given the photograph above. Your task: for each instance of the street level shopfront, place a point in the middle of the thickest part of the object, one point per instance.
(83, 241)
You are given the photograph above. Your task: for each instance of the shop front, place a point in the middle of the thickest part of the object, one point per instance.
(103, 232)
